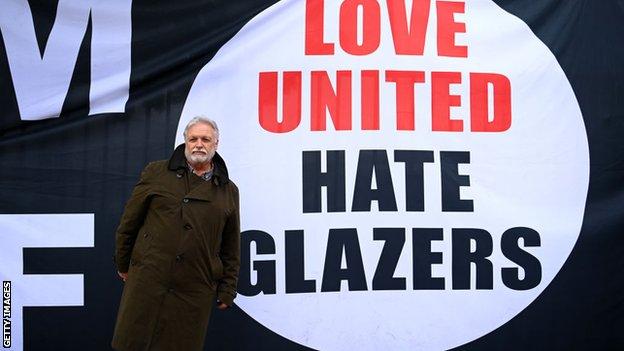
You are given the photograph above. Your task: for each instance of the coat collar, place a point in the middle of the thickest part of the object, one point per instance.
(177, 163)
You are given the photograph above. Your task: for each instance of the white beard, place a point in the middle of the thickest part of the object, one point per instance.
(195, 158)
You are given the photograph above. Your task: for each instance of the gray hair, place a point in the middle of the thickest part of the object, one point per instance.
(202, 119)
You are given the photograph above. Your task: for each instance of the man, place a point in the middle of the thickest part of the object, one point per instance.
(177, 246)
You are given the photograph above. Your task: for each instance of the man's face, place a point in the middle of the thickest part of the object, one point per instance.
(201, 143)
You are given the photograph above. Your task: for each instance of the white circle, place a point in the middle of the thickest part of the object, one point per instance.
(533, 175)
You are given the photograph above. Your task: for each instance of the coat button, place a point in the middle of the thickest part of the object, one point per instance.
(179, 258)
(188, 226)
(185, 200)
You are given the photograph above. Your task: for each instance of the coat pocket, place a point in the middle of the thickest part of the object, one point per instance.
(216, 267)
(141, 247)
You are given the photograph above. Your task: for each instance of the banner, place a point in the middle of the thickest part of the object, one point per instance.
(425, 175)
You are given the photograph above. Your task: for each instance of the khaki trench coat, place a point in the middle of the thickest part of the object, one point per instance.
(179, 241)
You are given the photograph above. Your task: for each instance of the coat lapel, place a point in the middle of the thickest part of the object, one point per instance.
(203, 191)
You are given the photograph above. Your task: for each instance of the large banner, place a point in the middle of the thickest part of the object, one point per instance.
(414, 175)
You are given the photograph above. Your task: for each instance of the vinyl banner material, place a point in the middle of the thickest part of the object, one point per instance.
(413, 175)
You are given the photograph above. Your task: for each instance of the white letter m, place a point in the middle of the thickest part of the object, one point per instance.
(41, 80)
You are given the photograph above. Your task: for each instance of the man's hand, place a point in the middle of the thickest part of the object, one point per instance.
(123, 276)
(221, 305)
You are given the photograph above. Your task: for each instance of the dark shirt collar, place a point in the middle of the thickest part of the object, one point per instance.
(206, 176)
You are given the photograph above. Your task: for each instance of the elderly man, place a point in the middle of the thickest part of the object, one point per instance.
(178, 246)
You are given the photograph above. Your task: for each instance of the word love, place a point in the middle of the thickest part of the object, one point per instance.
(409, 28)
